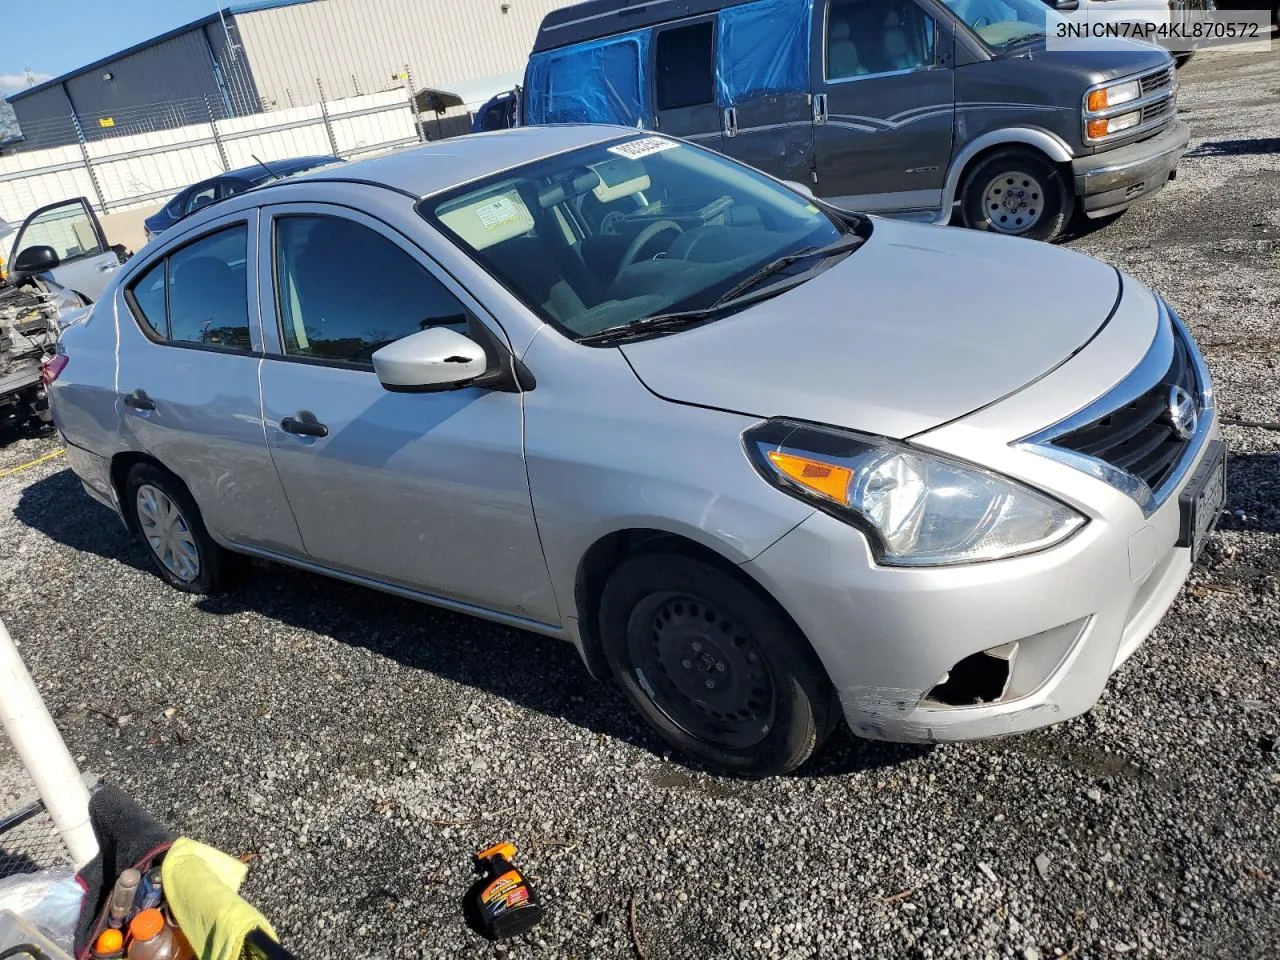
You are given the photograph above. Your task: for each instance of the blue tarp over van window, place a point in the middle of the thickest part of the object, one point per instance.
(763, 48)
(595, 82)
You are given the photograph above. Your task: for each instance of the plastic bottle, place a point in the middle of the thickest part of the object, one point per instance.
(504, 901)
(153, 939)
(109, 945)
(123, 896)
(151, 893)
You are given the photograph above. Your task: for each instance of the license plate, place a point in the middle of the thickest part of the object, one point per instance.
(1203, 498)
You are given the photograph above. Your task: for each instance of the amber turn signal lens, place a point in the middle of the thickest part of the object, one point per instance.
(824, 478)
(1097, 100)
(1097, 129)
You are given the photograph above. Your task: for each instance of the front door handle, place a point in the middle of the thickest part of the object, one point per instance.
(304, 425)
(108, 267)
(138, 400)
(731, 121)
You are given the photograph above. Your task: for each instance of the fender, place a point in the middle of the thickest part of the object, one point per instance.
(1051, 145)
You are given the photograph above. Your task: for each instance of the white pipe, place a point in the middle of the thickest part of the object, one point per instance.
(40, 748)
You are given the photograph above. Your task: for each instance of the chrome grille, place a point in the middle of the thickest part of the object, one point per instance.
(1153, 82)
(1139, 437)
(1154, 110)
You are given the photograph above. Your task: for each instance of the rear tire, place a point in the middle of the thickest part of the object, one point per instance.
(167, 519)
(713, 667)
(1019, 193)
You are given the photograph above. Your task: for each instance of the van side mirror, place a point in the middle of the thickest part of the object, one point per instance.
(35, 259)
(435, 359)
(1066, 5)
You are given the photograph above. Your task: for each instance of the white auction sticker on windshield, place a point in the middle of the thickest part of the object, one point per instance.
(635, 149)
(497, 212)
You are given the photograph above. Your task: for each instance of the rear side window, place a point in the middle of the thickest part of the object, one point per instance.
(198, 295)
(148, 298)
(344, 290)
(685, 68)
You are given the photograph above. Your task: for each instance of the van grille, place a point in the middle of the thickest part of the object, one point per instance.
(1153, 111)
(1153, 82)
(1139, 437)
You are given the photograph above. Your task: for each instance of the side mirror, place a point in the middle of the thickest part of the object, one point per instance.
(800, 188)
(1066, 5)
(435, 359)
(35, 259)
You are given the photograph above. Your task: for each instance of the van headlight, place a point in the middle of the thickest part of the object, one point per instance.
(920, 509)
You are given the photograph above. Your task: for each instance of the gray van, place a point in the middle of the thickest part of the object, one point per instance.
(901, 107)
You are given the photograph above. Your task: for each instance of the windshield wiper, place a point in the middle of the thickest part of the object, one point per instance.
(731, 300)
(1020, 38)
(644, 325)
(848, 241)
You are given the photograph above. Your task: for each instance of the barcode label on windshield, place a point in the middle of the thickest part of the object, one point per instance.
(635, 149)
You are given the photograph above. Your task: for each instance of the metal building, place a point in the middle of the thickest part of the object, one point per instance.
(270, 54)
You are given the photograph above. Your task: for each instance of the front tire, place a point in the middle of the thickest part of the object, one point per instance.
(169, 523)
(1019, 193)
(713, 667)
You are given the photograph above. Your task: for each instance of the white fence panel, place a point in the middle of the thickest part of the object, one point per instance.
(143, 168)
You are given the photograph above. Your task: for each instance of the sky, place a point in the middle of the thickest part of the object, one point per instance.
(60, 35)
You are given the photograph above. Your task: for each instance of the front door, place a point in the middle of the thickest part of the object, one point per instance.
(884, 105)
(86, 264)
(684, 82)
(426, 491)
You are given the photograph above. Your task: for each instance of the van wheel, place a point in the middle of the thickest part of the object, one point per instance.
(1018, 193)
(169, 522)
(713, 667)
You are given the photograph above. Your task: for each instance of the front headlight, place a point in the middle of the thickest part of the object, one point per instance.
(1113, 96)
(921, 509)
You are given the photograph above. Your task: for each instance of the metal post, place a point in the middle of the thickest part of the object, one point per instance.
(217, 140)
(42, 751)
(84, 152)
(324, 112)
(413, 104)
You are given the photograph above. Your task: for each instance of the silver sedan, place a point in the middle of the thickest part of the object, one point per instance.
(765, 462)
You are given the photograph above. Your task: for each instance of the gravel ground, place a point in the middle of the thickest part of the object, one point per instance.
(360, 748)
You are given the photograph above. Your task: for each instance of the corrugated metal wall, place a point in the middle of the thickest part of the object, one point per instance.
(156, 87)
(358, 46)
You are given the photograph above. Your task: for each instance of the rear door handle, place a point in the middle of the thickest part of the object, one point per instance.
(138, 400)
(731, 121)
(304, 425)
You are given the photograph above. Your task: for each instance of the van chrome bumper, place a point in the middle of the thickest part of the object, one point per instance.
(1110, 181)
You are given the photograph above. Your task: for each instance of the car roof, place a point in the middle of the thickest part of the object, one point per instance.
(443, 164)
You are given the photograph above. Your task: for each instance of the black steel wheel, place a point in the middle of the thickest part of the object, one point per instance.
(713, 666)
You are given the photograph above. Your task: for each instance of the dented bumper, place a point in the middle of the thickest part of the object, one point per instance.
(1062, 620)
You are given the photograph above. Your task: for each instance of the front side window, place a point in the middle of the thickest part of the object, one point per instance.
(621, 231)
(867, 37)
(198, 295)
(68, 228)
(1004, 23)
(344, 290)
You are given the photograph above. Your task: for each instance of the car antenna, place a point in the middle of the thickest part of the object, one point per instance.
(264, 166)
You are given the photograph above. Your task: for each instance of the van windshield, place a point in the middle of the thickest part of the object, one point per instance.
(1003, 23)
(631, 229)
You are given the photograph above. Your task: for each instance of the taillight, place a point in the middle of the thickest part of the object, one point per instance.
(52, 368)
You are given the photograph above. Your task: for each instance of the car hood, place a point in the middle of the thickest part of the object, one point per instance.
(1094, 60)
(919, 326)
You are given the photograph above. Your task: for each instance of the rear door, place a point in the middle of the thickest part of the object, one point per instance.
(86, 263)
(884, 104)
(190, 348)
(684, 82)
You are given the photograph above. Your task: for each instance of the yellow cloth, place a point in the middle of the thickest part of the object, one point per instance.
(201, 884)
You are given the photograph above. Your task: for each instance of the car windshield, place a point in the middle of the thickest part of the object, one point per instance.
(1003, 23)
(618, 232)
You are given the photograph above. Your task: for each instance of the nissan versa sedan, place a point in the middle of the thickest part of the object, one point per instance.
(766, 462)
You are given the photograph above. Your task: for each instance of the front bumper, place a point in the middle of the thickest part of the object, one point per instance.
(887, 636)
(1109, 181)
